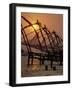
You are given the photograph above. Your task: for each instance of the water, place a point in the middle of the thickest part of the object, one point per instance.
(39, 70)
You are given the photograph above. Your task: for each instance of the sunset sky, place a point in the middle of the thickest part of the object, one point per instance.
(52, 21)
(42, 43)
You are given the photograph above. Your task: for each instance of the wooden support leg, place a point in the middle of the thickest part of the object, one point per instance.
(40, 60)
(32, 60)
(28, 60)
(51, 63)
(46, 68)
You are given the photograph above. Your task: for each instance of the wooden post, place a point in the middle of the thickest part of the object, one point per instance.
(51, 63)
(46, 65)
(28, 59)
(40, 59)
(32, 60)
(46, 68)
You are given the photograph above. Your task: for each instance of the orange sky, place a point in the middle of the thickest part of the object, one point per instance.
(52, 21)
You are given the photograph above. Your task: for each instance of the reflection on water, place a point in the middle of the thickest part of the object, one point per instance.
(39, 70)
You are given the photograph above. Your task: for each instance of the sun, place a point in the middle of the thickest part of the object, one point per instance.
(36, 27)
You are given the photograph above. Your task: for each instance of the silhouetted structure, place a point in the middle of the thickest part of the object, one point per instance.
(49, 44)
